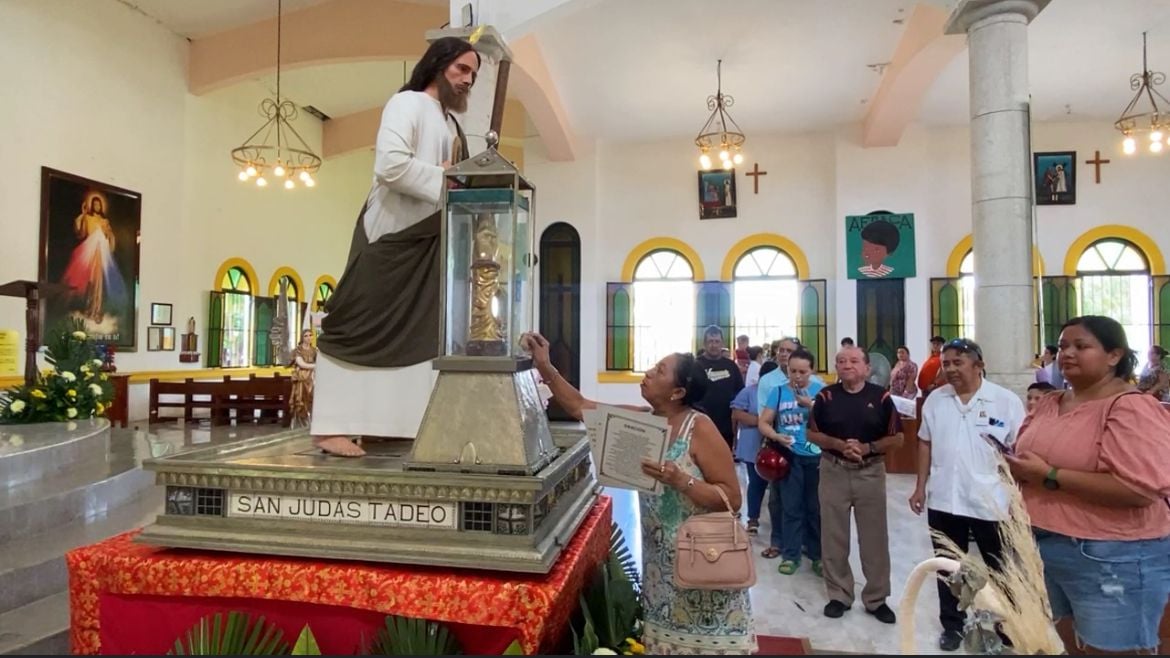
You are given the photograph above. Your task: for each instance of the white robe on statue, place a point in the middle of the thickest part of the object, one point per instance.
(415, 138)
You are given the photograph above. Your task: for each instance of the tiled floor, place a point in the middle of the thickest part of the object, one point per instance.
(791, 606)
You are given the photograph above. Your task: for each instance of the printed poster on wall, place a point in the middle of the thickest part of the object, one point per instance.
(880, 246)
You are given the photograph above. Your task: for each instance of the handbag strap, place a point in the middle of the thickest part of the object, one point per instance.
(726, 502)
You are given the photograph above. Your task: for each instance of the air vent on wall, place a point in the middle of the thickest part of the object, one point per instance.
(315, 112)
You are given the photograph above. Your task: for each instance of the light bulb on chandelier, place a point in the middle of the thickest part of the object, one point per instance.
(1147, 111)
(719, 131)
(243, 176)
(1129, 146)
(305, 176)
(310, 182)
(1156, 136)
(1155, 147)
(276, 140)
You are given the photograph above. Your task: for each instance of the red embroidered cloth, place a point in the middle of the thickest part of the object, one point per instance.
(129, 598)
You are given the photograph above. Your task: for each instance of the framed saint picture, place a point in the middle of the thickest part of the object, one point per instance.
(717, 194)
(89, 244)
(1056, 178)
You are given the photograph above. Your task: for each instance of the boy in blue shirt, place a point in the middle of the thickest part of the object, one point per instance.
(785, 421)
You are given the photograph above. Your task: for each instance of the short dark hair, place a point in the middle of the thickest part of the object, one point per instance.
(768, 367)
(847, 341)
(882, 233)
(754, 352)
(802, 353)
(902, 347)
(713, 330)
(435, 61)
(937, 339)
(742, 337)
(1041, 386)
(1160, 351)
(691, 377)
(1051, 349)
(1111, 335)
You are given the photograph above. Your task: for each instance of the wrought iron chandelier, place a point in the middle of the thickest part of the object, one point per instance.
(288, 161)
(721, 134)
(1154, 122)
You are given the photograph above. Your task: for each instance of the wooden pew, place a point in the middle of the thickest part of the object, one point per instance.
(256, 399)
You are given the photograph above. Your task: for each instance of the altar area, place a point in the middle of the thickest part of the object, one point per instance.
(128, 598)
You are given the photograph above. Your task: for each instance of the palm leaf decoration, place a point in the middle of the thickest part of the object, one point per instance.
(407, 636)
(238, 636)
(620, 559)
(306, 644)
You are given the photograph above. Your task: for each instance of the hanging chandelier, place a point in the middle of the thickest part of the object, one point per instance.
(1154, 121)
(721, 134)
(274, 153)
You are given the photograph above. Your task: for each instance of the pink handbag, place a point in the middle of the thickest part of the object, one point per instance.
(712, 551)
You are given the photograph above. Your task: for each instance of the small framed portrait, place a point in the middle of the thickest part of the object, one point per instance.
(160, 339)
(717, 194)
(160, 314)
(1055, 178)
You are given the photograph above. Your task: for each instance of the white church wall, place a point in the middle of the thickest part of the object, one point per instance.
(646, 190)
(112, 105)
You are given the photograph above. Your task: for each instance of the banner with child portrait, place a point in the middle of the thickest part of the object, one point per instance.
(880, 246)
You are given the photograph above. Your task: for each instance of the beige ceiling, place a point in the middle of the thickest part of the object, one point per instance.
(643, 69)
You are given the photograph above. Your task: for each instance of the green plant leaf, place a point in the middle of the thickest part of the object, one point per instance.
(238, 635)
(407, 636)
(306, 644)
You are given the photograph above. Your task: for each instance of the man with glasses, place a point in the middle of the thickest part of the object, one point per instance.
(966, 424)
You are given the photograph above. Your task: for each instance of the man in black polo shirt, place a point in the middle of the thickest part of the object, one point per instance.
(854, 423)
(724, 383)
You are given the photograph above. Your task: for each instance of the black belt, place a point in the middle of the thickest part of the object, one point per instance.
(864, 463)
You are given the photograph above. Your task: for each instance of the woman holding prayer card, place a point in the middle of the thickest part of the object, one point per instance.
(698, 472)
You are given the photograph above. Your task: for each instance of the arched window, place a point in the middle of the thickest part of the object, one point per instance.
(293, 304)
(324, 292)
(232, 318)
(1113, 279)
(967, 296)
(664, 307)
(766, 296)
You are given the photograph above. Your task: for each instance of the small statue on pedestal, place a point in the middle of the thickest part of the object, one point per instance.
(304, 370)
(190, 344)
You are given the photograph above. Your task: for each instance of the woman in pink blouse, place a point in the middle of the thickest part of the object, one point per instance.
(904, 376)
(1094, 464)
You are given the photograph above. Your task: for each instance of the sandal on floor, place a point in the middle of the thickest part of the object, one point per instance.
(753, 527)
(770, 553)
(788, 567)
(818, 568)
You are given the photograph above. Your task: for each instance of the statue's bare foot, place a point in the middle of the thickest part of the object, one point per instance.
(341, 446)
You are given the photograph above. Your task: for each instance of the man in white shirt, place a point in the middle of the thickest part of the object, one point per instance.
(374, 375)
(965, 426)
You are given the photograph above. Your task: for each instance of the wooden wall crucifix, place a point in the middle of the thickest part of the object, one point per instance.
(1097, 162)
(755, 173)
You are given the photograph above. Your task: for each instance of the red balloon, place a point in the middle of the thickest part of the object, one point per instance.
(771, 465)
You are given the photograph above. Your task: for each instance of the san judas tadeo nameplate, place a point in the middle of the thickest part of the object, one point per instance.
(362, 511)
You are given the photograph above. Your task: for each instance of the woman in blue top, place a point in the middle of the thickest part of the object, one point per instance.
(785, 421)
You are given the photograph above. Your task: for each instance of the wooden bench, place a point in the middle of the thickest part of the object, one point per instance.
(252, 400)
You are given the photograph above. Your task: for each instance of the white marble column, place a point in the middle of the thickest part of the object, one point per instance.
(1001, 196)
